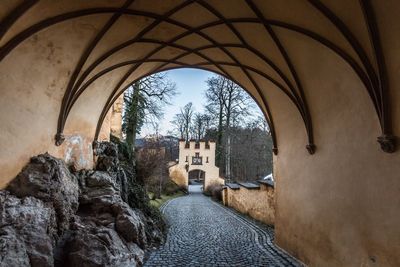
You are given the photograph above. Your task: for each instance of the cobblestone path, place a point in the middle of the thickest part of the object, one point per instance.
(205, 233)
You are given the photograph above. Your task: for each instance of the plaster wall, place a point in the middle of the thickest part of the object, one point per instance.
(32, 83)
(105, 131)
(116, 117)
(257, 203)
(339, 207)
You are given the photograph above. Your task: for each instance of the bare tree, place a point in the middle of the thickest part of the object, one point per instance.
(187, 114)
(208, 123)
(152, 166)
(144, 102)
(199, 125)
(229, 105)
(251, 151)
(236, 102)
(215, 102)
(178, 124)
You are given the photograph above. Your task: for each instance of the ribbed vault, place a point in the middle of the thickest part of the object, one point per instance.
(243, 40)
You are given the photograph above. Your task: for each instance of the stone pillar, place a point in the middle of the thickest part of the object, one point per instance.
(116, 117)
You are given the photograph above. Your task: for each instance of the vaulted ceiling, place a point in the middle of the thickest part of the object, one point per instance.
(252, 42)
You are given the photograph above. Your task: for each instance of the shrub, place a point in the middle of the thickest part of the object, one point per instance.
(171, 188)
(124, 153)
(214, 191)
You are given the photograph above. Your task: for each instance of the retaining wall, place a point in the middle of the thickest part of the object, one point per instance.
(257, 202)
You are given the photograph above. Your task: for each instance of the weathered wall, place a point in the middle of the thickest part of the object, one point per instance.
(105, 131)
(339, 207)
(257, 203)
(116, 117)
(32, 83)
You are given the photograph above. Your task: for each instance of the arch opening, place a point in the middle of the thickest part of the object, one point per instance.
(196, 177)
(224, 124)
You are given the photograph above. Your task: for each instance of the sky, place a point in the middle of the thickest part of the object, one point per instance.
(190, 85)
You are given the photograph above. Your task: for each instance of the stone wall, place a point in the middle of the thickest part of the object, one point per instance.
(258, 202)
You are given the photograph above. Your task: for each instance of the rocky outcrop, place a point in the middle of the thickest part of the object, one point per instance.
(50, 216)
(108, 161)
(28, 231)
(97, 245)
(48, 179)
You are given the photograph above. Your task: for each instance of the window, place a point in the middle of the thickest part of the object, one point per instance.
(206, 159)
(197, 160)
(187, 159)
(197, 146)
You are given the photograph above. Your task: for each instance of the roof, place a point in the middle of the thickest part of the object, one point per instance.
(248, 185)
(267, 182)
(253, 43)
(233, 186)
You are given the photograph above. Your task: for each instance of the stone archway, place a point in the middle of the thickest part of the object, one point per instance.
(196, 176)
(325, 73)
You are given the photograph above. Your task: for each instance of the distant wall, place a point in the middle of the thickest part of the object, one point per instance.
(257, 203)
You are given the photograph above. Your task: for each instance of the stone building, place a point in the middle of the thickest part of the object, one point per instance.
(196, 157)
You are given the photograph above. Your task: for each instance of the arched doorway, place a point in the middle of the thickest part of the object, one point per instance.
(196, 177)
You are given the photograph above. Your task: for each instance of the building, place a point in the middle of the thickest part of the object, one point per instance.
(196, 159)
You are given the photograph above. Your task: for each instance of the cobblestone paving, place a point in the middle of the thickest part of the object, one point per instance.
(205, 233)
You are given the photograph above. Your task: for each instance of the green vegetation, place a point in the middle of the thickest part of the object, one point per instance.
(214, 191)
(164, 198)
(146, 171)
(143, 103)
(137, 197)
(169, 191)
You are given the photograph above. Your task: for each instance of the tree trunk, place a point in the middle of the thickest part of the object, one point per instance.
(228, 158)
(219, 136)
(131, 134)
